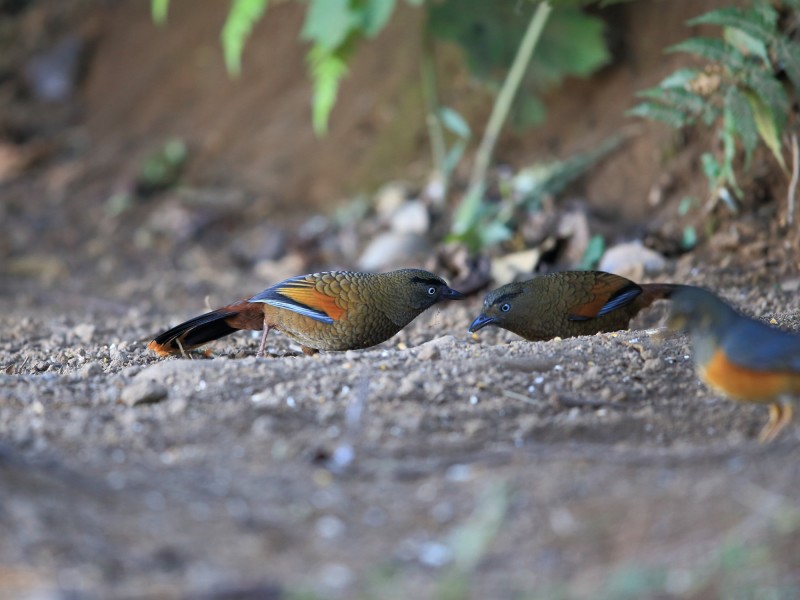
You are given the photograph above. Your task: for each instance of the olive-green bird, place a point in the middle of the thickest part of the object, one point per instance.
(334, 310)
(568, 304)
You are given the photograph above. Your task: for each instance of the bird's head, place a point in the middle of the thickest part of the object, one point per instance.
(500, 308)
(420, 289)
(696, 310)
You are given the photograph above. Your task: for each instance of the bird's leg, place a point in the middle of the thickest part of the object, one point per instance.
(780, 414)
(263, 344)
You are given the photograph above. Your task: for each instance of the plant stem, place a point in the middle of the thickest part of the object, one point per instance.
(504, 99)
(431, 97)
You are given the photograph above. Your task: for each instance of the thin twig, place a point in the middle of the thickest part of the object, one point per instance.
(792, 193)
(506, 96)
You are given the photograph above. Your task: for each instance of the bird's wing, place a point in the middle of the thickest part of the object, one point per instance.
(760, 347)
(302, 296)
(609, 293)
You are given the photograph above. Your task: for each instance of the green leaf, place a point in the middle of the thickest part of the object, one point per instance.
(713, 49)
(711, 169)
(686, 204)
(738, 109)
(468, 211)
(680, 78)
(328, 23)
(747, 44)
(683, 100)
(666, 114)
(788, 54)
(242, 16)
(158, 10)
(765, 123)
(454, 122)
(689, 239)
(375, 15)
(326, 69)
(758, 24)
(594, 252)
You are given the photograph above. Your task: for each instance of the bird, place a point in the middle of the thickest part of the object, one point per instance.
(739, 357)
(568, 304)
(332, 310)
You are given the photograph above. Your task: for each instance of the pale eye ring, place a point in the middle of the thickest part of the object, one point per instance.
(431, 291)
(505, 307)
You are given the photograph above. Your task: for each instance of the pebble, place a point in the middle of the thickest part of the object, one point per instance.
(145, 391)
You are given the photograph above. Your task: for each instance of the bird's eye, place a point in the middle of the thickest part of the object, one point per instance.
(431, 291)
(505, 307)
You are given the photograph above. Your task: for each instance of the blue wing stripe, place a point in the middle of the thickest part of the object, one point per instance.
(295, 307)
(620, 300)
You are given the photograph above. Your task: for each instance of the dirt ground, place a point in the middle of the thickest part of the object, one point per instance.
(437, 465)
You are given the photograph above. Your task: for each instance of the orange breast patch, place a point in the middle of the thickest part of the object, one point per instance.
(746, 384)
(305, 293)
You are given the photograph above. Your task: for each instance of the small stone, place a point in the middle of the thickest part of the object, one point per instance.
(393, 249)
(632, 260)
(84, 332)
(653, 365)
(145, 391)
(428, 352)
(411, 217)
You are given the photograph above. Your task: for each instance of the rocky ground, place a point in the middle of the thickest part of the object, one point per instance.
(438, 464)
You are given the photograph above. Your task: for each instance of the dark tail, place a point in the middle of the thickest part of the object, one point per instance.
(207, 328)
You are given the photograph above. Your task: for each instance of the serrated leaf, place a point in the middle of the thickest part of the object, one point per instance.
(158, 11)
(666, 114)
(375, 15)
(326, 69)
(680, 78)
(752, 22)
(788, 53)
(771, 91)
(713, 49)
(681, 99)
(741, 116)
(747, 44)
(328, 23)
(242, 16)
(454, 122)
(765, 123)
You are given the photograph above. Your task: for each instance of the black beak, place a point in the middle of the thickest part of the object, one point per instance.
(451, 294)
(480, 322)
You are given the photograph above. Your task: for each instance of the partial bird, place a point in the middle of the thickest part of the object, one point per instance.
(739, 357)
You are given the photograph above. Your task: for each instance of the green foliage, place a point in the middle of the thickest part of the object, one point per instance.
(242, 16)
(479, 224)
(489, 33)
(738, 92)
(159, 9)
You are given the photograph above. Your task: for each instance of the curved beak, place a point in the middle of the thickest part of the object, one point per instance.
(480, 322)
(451, 294)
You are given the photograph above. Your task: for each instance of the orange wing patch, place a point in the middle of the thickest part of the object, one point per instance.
(605, 286)
(742, 383)
(306, 293)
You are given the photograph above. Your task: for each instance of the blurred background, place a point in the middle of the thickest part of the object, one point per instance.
(129, 145)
